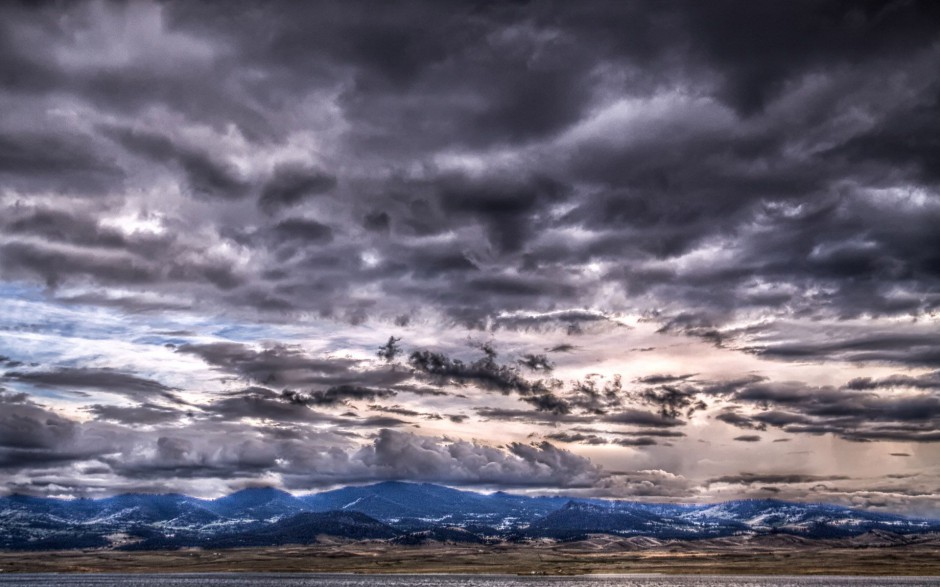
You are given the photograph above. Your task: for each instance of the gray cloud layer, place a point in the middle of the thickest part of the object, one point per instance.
(492, 132)
(760, 176)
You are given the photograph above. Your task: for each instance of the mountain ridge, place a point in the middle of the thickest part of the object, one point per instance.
(409, 513)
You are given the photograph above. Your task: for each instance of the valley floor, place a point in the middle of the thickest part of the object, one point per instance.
(596, 555)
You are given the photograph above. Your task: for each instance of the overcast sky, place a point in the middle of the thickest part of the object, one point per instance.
(670, 251)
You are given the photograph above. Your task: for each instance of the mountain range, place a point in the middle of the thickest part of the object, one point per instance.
(407, 513)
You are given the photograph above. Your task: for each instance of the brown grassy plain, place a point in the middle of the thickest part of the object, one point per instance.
(598, 554)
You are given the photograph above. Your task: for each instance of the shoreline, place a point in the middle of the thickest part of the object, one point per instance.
(250, 574)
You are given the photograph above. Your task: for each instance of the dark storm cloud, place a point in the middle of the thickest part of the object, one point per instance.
(303, 229)
(538, 167)
(536, 362)
(635, 417)
(548, 402)
(530, 416)
(575, 321)
(592, 439)
(928, 381)
(756, 68)
(635, 442)
(337, 394)
(57, 225)
(506, 211)
(421, 390)
(205, 176)
(659, 379)
(265, 404)
(377, 222)
(444, 261)
(672, 400)
(32, 436)
(374, 422)
(26, 425)
(737, 139)
(390, 350)
(59, 161)
(60, 245)
(789, 479)
(748, 438)
(659, 433)
(54, 265)
(23, 70)
(398, 410)
(602, 398)
(291, 184)
(289, 408)
(90, 379)
(852, 412)
(86, 378)
(576, 437)
(305, 381)
(903, 139)
(526, 89)
(291, 367)
(908, 349)
(485, 372)
(128, 303)
(736, 419)
(589, 395)
(561, 348)
(626, 417)
(146, 414)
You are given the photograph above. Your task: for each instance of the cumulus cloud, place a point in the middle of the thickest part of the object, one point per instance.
(649, 484)
(408, 456)
(32, 436)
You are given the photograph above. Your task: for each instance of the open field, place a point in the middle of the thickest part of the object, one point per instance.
(597, 555)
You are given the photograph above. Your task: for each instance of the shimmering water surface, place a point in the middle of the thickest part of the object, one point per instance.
(284, 580)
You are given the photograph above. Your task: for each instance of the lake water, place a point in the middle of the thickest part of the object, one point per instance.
(291, 580)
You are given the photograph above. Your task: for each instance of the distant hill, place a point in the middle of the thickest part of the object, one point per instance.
(259, 503)
(302, 528)
(410, 513)
(429, 505)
